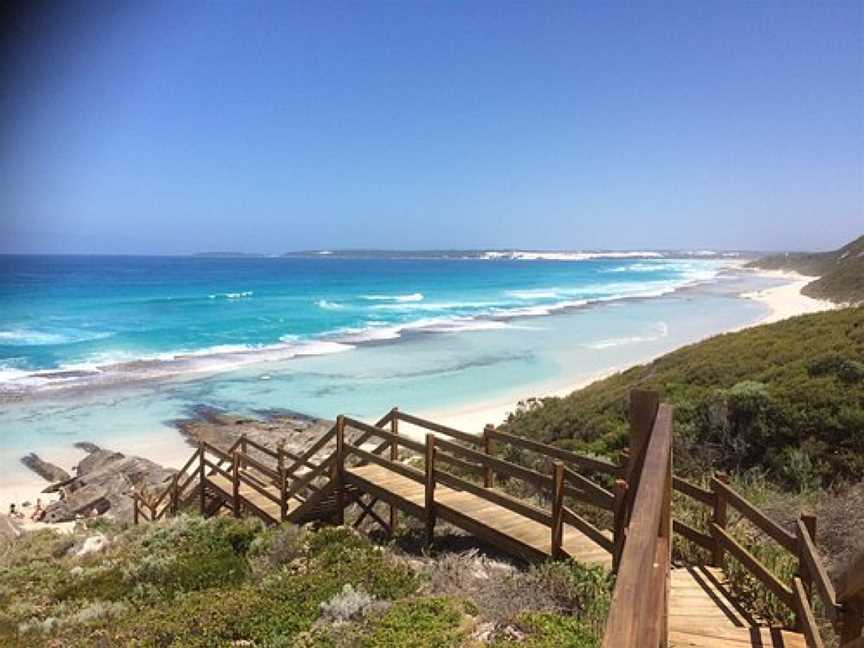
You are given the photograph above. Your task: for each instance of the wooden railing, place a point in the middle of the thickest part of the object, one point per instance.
(467, 462)
(639, 610)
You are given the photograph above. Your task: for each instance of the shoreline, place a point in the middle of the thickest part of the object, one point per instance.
(784, 301)
(172, 451)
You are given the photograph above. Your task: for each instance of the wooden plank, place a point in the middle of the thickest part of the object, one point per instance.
(395, 466)
(757, 517)
(558, 510)
(755, 567)
(692, 490)
(500, 499)
(623, 626)
(696, 537)
(584, 526)
(312, 451)
(593, 493)
(805, 616)
(499, 465)
(465, 437)
(816, 571)
(590, 463)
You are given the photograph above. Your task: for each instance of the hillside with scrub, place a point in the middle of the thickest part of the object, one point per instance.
(840, 272)
(783, 399)
(201, 582)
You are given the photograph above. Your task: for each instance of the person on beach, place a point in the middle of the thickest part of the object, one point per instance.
(38, 512)
(15, 513)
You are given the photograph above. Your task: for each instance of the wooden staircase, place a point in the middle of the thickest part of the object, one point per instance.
(432, 472)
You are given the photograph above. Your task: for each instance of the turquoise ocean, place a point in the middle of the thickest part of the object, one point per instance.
(113, 349)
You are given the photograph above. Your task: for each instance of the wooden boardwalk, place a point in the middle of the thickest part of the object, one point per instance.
(703, 614)
(501, 526)
(455, 477)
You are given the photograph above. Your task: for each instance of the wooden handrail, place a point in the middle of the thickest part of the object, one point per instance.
(636, 619)
(808, 623)
(312, 450)
(221, 454)
(465, 437)
(590, 463)
(251, 483)
(499, 465)
(693, 491)
(262, 448)
(754, 566)
(395, 466)
(812, 563)
(246, 460)
(494, 496)
(305, 481)
(594, 493)
(757, 517)
(574, 519)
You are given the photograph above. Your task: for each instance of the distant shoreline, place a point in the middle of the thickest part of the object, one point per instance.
(783, 301)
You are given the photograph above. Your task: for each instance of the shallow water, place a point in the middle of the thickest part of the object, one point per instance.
(421, 370)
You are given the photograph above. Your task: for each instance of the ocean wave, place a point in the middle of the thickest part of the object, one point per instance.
(413, 297)
(232, 295)
(520, 255)
(328, 305)
(539, 293)
(661, 331)
(31, 337)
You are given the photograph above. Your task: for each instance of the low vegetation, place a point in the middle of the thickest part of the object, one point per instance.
(840, 272)
(784, 399)
(226, 582)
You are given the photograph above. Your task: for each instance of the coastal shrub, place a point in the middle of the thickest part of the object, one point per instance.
(435, 622)
(745, 400)
(347, 605)
(550, 630)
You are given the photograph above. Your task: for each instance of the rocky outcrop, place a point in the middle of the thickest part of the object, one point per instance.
(104, 483)
(294, 432)
(44, 469)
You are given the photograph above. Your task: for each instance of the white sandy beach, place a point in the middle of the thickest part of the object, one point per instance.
(783, 301)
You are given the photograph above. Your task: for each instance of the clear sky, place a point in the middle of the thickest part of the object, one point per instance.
(181, 126)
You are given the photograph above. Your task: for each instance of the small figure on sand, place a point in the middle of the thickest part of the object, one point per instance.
(15, 513)
(38, 512)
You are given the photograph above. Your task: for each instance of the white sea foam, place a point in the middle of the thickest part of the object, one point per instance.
(328, 305)
(661, 330)
(540, 293)
(30, 337)
(525, 255)
(232, 295)
(413, 297)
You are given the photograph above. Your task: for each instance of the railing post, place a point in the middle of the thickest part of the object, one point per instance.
(339, 470)
(557, 510)
(283, 491)
(175, 496)
(202, 477)
(719, 517)
(643, 411)
(488, 450)
(809, 522)
(619, 527)
(394, 456)
(430, 488)
(135, 508)
(235, 482)
(243, 447)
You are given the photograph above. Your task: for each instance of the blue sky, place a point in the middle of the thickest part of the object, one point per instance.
(175, 127)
